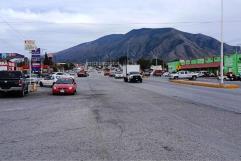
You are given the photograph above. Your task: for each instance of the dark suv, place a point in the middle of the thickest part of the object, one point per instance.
(13, 81)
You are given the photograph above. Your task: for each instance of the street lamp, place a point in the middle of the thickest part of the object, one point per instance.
(221, 63)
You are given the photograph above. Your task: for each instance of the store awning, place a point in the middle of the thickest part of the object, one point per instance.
(200, 66)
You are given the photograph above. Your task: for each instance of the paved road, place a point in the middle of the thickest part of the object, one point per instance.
(112, 120)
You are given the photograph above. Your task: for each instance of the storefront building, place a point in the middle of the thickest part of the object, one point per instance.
(232, 63)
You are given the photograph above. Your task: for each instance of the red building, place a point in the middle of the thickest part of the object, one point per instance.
(7, 65)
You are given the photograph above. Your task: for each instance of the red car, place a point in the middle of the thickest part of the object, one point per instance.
(64, 86)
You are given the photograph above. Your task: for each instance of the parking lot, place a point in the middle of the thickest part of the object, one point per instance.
(109, 119)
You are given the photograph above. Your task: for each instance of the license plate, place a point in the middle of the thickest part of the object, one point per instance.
(61, 91)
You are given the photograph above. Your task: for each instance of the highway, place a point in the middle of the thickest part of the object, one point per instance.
(112, 120)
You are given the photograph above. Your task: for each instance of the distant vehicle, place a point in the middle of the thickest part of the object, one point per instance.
(118, 75)
(239, 76)
(166, 74)
(63, 75)
(184, 75)
(131, 73)
(146, 72)
(64, 86)
(106, 72)
(34, 79)
(47, 81)
(13, 81)
(82, 73)
(72, 74)
(231, 76)
(157, 73)
(203, 73)
(112, 73)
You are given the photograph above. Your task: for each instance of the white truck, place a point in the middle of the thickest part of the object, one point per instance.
(131, 73)
(184, 75)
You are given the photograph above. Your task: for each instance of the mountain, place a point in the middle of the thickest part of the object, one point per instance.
(166, 43)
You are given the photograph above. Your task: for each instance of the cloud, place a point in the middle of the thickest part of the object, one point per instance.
(59, 24)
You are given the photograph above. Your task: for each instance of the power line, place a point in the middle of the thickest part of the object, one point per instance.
(129, 23)
(11, 27)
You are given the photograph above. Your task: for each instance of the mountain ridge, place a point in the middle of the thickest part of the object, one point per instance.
(165, 43)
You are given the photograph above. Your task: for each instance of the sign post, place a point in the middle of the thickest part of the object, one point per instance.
(30, 46)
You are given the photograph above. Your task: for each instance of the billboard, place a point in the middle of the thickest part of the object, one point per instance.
(10, 56)
(30, 45)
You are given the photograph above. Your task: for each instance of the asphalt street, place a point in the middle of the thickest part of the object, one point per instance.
(112, 120)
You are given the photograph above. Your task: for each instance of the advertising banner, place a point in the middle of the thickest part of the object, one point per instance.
(30, 45)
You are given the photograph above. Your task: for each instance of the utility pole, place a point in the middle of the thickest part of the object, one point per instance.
(221, 63)
(127, 54)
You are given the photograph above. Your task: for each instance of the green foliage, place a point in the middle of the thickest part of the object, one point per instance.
(144, 63)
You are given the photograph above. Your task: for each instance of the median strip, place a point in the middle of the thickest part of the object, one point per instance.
(206, 84)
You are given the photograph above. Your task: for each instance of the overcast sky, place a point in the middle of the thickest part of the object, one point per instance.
(60, 24)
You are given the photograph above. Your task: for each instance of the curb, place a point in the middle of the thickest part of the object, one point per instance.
(206, 84)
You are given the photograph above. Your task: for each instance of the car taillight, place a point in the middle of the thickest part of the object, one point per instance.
(54, 88)
(70, 88)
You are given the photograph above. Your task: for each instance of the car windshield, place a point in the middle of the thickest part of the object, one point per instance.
(7, 74)
(64, 81)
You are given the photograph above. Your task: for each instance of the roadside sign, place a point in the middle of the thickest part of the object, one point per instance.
(36, 60)
(30, 45)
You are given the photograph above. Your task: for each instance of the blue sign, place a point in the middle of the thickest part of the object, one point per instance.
(36, 61)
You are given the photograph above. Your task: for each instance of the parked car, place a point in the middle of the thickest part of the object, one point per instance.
(203, 73)
(166, 74)
(34, 78)
(157, 73)
(184, 75)
(47, 81)
(231, 76)
(239, 77)
(64, 86)
(13, 81)
(118, 75)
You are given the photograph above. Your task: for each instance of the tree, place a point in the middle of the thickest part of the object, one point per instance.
(46, 59)
(144, 63)
(122, 60)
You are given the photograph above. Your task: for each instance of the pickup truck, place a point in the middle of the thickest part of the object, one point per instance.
(13, 81)
(184, 75)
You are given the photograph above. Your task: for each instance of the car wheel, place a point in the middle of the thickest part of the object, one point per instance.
(26, 92)
(175, 77)
(141, 81)
(194, 77)
(41, 84)
(22, 93)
